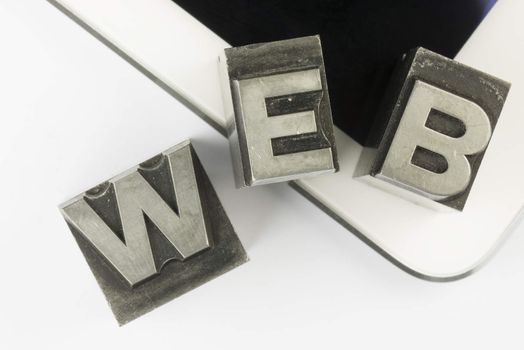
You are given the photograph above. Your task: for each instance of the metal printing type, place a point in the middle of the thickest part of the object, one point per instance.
(154, 232)
(279, 116)
(435, 126)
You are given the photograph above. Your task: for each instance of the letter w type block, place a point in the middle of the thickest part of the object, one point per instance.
(279, 115)
(434, 128)
(154, 232)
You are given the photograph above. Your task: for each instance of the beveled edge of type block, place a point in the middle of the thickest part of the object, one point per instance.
(420, 64)
(175, 277)
(288, 55)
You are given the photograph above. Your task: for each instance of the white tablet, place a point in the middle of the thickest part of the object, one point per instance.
(180, 54)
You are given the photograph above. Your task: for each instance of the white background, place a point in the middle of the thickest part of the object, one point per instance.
(74, 113)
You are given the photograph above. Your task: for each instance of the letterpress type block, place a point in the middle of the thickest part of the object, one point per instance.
(154, 232)
(279, 115)
(436, 124)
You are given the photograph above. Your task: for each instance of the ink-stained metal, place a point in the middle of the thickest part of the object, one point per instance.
(435, 126)
(154, 232)
(279, 115)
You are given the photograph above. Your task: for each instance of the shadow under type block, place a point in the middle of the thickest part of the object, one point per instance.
(279, 116)
(433, 129)
(154, 232)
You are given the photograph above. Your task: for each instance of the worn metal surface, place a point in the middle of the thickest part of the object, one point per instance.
(279, 115)
(154, 232)
(434, 127)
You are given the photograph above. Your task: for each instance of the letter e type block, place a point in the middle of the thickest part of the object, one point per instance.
(279, 115)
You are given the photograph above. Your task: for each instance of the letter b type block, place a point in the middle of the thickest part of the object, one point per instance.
(279, 116)
(435, 126)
